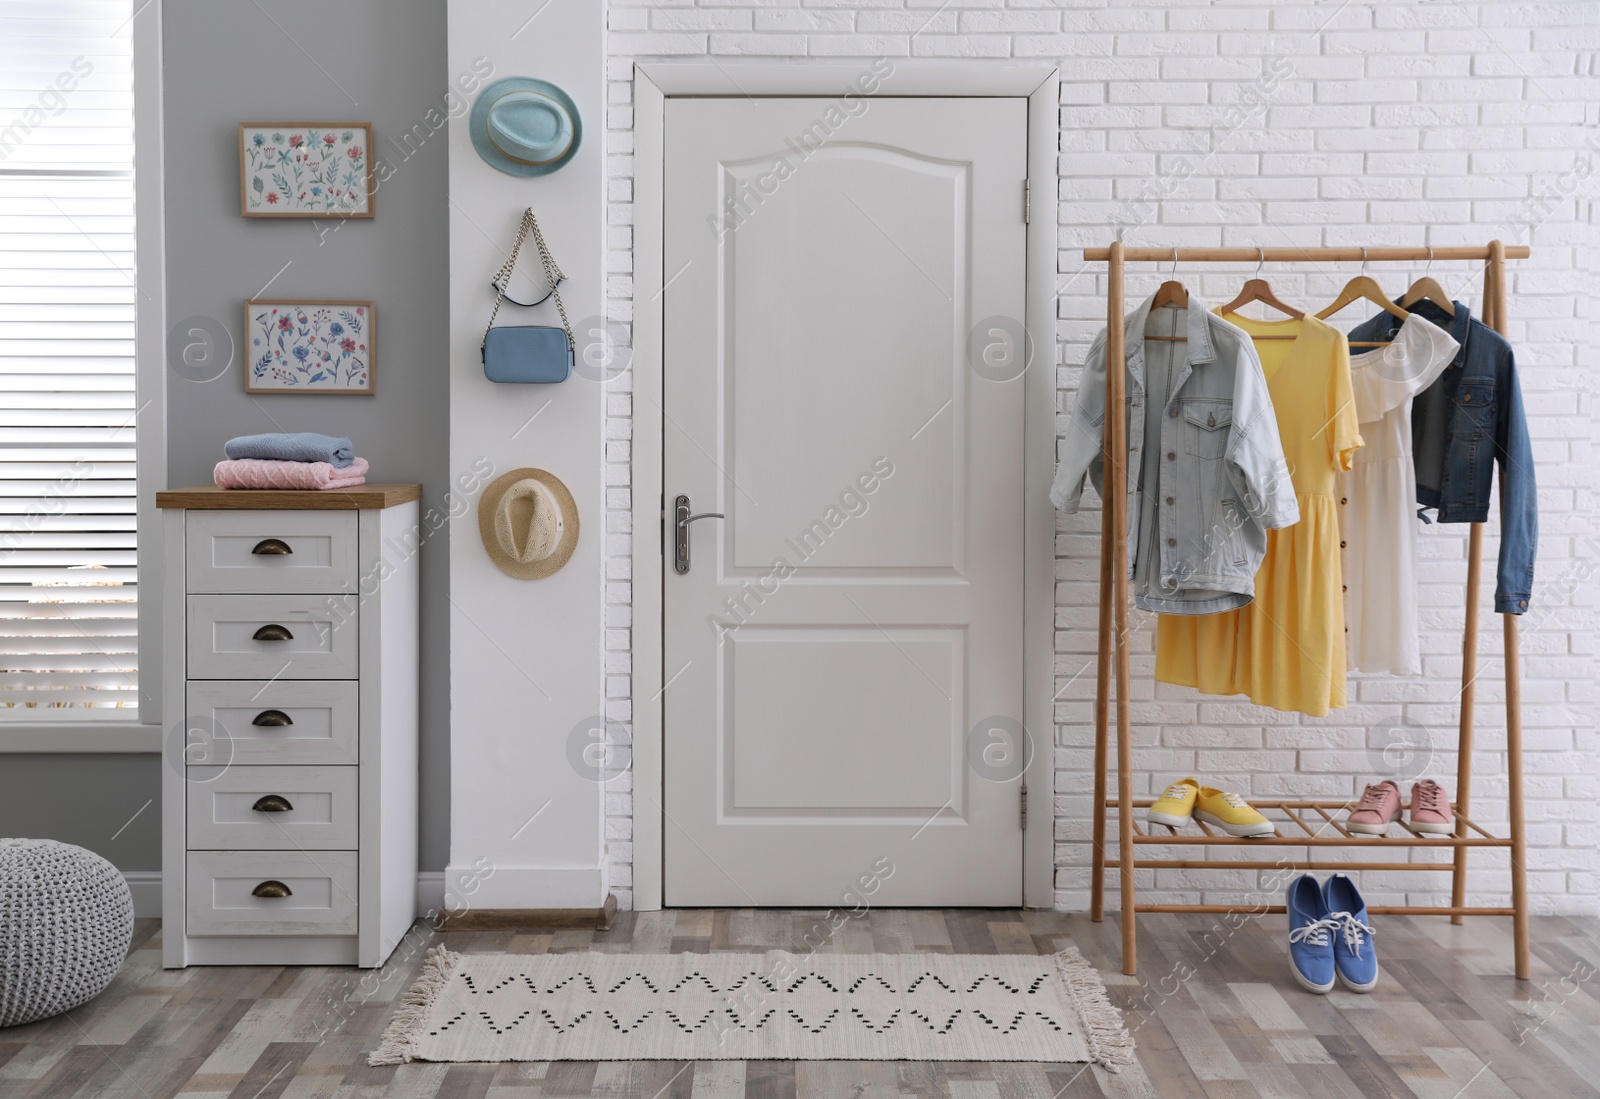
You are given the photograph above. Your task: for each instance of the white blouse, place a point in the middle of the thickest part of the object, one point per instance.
(1378, 500)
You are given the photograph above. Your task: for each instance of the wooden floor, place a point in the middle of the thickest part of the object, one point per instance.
(1214, 1012)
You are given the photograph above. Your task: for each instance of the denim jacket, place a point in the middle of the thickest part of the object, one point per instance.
(1463, 424)
(1198, 519)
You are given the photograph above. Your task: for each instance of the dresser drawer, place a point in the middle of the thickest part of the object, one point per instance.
(271, 808)
(272, 637)
(271, 893)
(251, 552)
(250, 722)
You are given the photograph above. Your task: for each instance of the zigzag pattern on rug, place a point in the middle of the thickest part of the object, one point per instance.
(594, 1006)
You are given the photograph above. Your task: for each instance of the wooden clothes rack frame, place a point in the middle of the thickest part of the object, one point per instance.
(1113, 659)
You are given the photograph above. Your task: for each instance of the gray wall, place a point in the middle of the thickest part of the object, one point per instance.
(107, 803)
(227, 63)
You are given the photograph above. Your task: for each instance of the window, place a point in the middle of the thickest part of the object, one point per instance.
(68, 496)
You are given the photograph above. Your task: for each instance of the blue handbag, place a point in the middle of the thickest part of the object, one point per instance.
(528, 353)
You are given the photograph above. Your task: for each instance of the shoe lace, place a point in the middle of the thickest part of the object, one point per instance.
(1177, 791)
(1314, 933)
(1371, 799)
(1353, 930)
(1430, 794)
(1235, 801)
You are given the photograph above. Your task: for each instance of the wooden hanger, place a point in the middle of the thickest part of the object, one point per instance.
(1258, 289)
(1364, 288)
(1429, 288)
(1171, 292)
(1360, 288)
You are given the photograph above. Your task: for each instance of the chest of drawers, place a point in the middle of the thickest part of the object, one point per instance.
(289, 792)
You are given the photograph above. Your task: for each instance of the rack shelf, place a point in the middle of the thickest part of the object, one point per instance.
(1397, 836)
(1294, 831)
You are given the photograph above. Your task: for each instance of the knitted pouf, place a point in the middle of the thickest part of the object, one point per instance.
(66, 918)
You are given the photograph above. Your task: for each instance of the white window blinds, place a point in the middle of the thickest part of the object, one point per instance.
(68, 585)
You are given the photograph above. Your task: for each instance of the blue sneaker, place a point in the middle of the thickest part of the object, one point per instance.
(1354, 954)
(1310, 938)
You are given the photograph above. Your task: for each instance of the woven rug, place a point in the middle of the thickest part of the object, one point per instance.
(776, 1006)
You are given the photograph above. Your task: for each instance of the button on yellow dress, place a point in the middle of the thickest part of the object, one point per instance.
(1286, 649)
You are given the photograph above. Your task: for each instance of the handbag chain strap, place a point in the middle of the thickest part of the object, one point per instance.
(552, 273)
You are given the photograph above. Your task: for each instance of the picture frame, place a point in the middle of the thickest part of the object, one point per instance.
(306, 170)
(308, 346)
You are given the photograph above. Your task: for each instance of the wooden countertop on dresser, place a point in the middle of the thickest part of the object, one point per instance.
(374, 494)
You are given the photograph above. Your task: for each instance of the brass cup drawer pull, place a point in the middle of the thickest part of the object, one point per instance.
(272, 803)
(272, 718)
(272, 547)
(273, 632)
(272, 889)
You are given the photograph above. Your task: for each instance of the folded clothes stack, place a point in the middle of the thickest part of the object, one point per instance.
(299, 459)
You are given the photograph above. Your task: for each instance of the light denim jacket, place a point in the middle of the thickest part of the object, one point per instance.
(1222, 481)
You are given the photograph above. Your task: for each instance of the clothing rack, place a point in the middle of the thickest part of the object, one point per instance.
(1113, 659)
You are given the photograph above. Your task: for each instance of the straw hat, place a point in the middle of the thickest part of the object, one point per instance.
(528, 522)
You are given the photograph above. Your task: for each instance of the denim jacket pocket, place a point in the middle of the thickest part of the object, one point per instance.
(1474, 409)
(1205, 428)
(1234, 544)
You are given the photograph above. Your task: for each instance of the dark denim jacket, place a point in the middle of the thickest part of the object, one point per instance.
(1461, 426)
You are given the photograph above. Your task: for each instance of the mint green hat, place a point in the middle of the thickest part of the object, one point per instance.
(525, 127)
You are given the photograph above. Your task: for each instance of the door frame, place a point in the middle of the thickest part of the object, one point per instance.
(652, 86)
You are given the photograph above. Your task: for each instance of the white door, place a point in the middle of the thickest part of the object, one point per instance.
(844, 652)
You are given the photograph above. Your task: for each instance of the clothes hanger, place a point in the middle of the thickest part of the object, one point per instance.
(1171, 292)
(1258, 289)
(1429, 288)
(1364, 287)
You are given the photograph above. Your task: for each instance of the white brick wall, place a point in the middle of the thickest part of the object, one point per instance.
(1205, 122)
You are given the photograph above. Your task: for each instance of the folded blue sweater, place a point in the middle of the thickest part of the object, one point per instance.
(296, 446)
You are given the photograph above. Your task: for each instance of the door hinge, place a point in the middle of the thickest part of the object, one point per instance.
(1027, 202)
(1024, 806)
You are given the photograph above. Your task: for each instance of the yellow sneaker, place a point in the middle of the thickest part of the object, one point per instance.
(1231, 813)
(1175, 805)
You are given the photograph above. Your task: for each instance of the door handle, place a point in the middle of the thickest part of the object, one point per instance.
(680, 531)
(272, 889)
(272, 718)
(273, 803)
(274, 632)
(272, 547)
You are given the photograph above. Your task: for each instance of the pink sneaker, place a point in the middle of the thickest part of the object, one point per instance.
(1379, 807)
(1430, 809)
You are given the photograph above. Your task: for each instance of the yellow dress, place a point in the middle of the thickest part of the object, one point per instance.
(1285, 649)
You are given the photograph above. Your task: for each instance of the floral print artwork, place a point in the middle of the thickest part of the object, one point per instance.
(306, 171)
(310, 347)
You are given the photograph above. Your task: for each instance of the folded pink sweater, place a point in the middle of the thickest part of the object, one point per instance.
(265, 473)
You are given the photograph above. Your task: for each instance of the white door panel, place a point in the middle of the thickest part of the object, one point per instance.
(858, 609)
(879, 741)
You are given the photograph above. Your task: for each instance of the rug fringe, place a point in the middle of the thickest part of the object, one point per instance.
(405, 1028)
(1107, 1036)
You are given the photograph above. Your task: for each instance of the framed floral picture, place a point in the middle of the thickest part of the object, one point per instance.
(305, 169)
(310, 346)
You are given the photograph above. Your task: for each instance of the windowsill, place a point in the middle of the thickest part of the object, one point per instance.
(88, 735)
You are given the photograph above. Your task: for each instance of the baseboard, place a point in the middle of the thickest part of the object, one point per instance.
(487, 884)
(430, 891)
(532, 919)
(145, 885)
